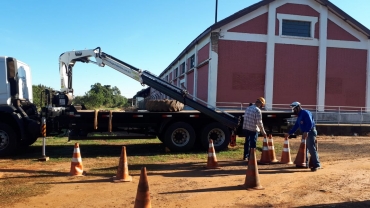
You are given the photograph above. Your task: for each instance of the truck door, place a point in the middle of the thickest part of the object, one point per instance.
(4, 84)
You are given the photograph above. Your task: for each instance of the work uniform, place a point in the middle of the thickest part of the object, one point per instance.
(251, 126)
(306, 123)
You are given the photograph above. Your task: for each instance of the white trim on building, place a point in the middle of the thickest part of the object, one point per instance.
(244, 37)
(321, 74)
(270, 56)
(368, 78)
(195, 75)
(296, 41)
(212, 76)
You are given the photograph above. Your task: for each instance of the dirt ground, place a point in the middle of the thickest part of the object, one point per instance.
(344, 181)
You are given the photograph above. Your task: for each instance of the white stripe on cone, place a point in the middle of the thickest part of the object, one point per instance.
(76, 160)
(76, 150)
(211, 155)
(286, 149)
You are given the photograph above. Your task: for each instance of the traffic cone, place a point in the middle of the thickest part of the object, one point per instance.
(142, 196)
(233, 140)
(310, 164)
(272, 150)
(212, 159)
(265, 156)
(300, 160)
(122, 170)
(285, 155)
(76, 164)
(252, 181)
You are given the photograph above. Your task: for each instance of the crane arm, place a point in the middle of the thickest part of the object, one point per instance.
(68, 59)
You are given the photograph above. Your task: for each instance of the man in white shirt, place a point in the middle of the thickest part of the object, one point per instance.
(252, 125)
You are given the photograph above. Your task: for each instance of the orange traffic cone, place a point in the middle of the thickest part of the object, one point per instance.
(300, 160)
(285, 155)
(252, 181)
(212, 159)
(272, 150)
(76, 164)
(310, 164)
(142, 196)
(265, 156)
(122, 170)
(233, 140)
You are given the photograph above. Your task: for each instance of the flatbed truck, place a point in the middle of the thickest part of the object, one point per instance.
(179, 131)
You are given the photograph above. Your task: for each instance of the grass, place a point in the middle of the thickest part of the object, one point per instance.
(24, 176)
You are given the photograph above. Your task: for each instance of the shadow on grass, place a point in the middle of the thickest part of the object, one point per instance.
(31, 173)
(181, 170)
(96, 150)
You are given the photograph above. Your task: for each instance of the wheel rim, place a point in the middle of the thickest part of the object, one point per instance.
(4, 140)
(217, 135)
(180, 137)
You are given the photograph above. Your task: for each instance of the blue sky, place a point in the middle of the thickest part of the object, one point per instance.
(148, 34)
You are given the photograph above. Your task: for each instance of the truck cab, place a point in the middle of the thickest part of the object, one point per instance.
(19, 119)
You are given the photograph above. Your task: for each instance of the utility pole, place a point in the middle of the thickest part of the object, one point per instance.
(216, 11)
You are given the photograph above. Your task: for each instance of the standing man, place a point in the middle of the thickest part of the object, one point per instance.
(306, 123)
(252, 125)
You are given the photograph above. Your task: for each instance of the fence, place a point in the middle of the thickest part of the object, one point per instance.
(330, 115)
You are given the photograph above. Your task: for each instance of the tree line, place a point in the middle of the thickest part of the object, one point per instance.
(99, 96)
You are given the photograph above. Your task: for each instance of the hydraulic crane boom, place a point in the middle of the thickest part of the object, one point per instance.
(68, 59)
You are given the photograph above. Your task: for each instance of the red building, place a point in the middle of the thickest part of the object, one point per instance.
(285, 50)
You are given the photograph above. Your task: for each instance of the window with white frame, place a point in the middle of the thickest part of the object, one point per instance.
(297, 25)
(192, 61)
(182, 68)
(182, 84)
(296, 28)
(176, 72)
(167, 78)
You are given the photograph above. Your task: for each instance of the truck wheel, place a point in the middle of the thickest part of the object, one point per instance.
(219, 133)
(8, 139)
(180, 136)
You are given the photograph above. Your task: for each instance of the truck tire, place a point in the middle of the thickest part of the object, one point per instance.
(164, 105)
(8, 140)
(179, 136)
(219, 133)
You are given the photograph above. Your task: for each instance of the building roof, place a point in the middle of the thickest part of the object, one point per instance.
(340, 13)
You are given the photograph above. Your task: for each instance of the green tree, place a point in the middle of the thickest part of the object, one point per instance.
(36, 92)
(78, 100)
(102, 96)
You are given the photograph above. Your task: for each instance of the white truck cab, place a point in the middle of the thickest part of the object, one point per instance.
(19, 119)
(22, 79)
